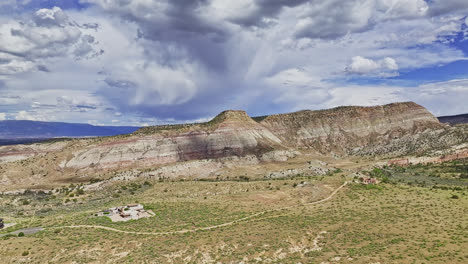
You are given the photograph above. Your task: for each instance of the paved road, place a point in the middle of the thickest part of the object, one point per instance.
(26, 231)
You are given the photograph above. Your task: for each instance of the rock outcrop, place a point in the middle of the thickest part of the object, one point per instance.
(342, 130)
(231, 133)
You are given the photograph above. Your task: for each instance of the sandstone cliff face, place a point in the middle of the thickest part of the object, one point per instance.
(344, 128)
(232, 133)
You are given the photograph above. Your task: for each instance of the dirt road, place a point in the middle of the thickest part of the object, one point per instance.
(245, 219)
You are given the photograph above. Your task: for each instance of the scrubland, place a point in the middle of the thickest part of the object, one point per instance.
(417, 214)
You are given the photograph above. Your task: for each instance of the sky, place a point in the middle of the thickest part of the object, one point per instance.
(147, 62)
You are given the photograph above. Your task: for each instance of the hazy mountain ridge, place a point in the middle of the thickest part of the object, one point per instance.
(25, 129)
(455, 119)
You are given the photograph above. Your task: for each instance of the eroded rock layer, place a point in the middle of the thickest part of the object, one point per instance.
(344, 130)
(232, 133)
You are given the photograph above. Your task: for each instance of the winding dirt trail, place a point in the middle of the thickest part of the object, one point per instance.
(245, 219)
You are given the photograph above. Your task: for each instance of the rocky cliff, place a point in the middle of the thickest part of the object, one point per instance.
(230, 134)
(344, 128)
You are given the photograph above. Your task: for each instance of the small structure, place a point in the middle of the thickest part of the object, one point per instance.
(126, 213)
(368, 180)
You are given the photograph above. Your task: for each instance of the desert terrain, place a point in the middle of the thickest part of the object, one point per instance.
(384, 184)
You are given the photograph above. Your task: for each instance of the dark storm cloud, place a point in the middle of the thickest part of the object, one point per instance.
(264, 9)
(441, 7)
(42, 68)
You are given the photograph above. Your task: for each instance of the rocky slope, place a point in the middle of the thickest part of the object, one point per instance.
(231, 133)
(343, 130)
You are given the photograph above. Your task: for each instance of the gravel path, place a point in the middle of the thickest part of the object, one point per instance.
(26, 231)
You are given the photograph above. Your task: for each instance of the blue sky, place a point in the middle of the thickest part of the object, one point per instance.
(138, 62)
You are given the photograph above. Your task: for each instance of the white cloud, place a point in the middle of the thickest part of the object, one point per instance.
(385, 67)
(2, 116)
(33, 116)
(50, 17)
(49, 33)
(397, 9)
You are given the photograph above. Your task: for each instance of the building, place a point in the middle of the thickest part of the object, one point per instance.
(368, 180)
(126, 213)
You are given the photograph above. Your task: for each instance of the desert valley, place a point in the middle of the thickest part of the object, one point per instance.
(383, 184)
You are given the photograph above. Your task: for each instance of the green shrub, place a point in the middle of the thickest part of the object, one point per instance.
(25, 253)
(244, 178)
(21, 234)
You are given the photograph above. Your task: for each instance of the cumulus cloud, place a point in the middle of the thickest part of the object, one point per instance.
(316, 20)
(47, 34)
(364, 66)
(33, 116)
(149, 85)
(50, 17)
(334, 18)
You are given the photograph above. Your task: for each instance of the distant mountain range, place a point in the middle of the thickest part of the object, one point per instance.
(453, 120)
(25, 131)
